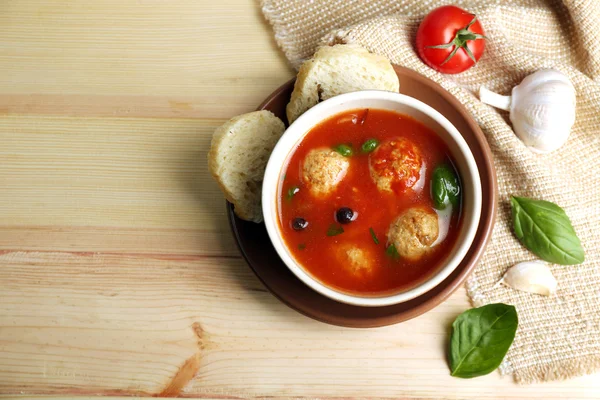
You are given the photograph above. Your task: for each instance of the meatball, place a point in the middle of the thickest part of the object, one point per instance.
(357, 260)
(395, 165)
(414, 232)
(323, 169)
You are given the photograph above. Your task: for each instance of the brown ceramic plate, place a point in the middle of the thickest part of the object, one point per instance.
(256, 247)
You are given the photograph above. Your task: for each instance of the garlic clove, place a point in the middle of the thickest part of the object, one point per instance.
(542, 109)
(532, 277)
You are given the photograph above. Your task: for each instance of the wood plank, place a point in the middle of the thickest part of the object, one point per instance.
(124, 324)
(97, 322)
(110, 185)
(108, 172)
(215, 241)
(136, 58)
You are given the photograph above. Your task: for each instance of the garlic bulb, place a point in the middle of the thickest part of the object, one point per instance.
(532, 277)
(542, 109)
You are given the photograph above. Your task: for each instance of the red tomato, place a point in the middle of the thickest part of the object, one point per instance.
(447, 30)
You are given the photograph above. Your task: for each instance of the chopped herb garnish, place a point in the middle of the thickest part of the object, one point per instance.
(374, 236)
(344, 150)
(335, 229)
(292, 191)
(369, 145)
(391, 251)
(364, 117)
(301, 246)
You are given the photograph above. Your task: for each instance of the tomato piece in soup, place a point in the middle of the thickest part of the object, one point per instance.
(396, 165)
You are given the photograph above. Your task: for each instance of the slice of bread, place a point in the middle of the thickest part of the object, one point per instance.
(238, 157)
(336, 70)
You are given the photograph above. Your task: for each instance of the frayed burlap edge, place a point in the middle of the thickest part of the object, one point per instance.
(568, 369)
(280, 30)
(537, 374)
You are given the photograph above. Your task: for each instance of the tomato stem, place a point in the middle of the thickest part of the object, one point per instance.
(460, 40)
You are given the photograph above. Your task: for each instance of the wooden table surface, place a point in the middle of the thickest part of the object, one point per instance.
(118, 273)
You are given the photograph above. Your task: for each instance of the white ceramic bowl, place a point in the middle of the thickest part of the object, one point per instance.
(465, 163)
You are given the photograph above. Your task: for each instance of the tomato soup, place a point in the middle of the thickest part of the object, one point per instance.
(369, 202)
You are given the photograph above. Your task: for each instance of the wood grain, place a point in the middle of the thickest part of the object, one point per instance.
(152, 58)
(119, 274)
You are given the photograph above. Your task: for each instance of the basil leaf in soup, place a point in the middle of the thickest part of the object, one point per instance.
(344, 150)
(445, 187)
(392, 252)
(481, 338)
(369, 145)
(546, 230)
(334, 230)
(292, 191)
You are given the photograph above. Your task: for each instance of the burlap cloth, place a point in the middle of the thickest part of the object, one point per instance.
(558, 337)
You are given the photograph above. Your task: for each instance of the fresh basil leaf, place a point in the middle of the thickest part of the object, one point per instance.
(344, 150)
(335, 229)
(373, 236)
(545, 229)
(292, 191)
(369, 145)
(445, 187)
(392, 252)
(481, 338)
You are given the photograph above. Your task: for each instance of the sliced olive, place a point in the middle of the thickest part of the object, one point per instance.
(344, 215)
(299, 224)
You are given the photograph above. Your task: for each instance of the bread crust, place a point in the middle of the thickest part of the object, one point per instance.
(237, 158)
(339, 69)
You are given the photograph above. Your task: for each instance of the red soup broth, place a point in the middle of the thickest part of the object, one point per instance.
(323, 256)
